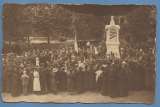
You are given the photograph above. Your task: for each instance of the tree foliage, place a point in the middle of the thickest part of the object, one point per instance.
(58, 22)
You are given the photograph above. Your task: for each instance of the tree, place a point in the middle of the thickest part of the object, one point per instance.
(137, 29)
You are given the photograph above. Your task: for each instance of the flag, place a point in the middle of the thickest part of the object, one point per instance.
(76, 44)
(37, 61)
(95, 50)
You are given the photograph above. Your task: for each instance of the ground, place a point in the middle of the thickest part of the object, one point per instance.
(87, 97)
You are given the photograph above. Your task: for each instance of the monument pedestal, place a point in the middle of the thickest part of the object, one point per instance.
(113, 48)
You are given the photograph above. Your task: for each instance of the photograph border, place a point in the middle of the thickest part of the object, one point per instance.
(104, 2)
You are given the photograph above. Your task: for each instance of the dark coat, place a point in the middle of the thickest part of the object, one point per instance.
(113, 82)
(30, 81)
(43, 80)
(140, 77)
(132, 76)
(80, 81)
(92, 80)
(87, 78)
(61, 78)
(71, 81)
(53, 84)
(6, 78)
(16, 83)
(105, 80)
(123, 82)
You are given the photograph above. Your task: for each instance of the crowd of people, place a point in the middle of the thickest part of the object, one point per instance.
(42, 71)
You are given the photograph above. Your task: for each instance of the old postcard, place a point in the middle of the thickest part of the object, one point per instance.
(79, 53)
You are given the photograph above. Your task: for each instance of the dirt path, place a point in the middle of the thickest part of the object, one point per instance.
(88, 97)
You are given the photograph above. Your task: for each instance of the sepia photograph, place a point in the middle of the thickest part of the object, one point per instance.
(72, 53)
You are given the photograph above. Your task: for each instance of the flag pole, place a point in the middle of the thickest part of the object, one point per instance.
(76, 44)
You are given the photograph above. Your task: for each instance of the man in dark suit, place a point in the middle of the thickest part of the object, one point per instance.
(105, 77)
(61, 78)
(43, 79)
(79, 80)
(123, 79)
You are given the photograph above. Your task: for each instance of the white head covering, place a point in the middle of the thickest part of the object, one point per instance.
(54, 70)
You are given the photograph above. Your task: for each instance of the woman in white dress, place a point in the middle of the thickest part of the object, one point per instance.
(36, 82)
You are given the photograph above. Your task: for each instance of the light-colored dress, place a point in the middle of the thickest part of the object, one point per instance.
(37, 61)
(36, 81)
(98, 73)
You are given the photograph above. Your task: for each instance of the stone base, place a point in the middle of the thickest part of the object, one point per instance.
(114, 48)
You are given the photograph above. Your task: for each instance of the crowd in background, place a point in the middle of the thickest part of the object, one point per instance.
(43, 70)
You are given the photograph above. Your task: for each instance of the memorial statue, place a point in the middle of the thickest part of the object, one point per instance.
(112, 38)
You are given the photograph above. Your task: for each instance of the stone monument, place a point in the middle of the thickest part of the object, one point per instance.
(112, 38)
